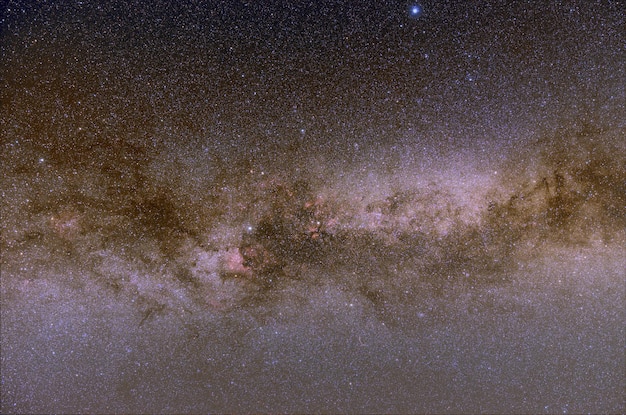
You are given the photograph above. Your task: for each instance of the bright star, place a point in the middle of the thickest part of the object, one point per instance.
(415, 11)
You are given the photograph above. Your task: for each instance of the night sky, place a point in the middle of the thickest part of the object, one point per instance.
(313, 206)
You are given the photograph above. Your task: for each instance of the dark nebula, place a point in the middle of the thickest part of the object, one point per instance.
(313, 206)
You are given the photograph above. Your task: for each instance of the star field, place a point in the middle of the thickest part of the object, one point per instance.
(313, 206)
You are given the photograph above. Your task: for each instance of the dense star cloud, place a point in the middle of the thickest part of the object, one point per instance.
(313, 206)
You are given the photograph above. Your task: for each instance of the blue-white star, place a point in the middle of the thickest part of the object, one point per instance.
(415, 11)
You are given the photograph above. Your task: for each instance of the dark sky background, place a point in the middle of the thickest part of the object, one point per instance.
(313, 206)
(324, 74)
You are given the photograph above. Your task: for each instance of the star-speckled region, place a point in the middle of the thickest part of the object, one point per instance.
(313, 206)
